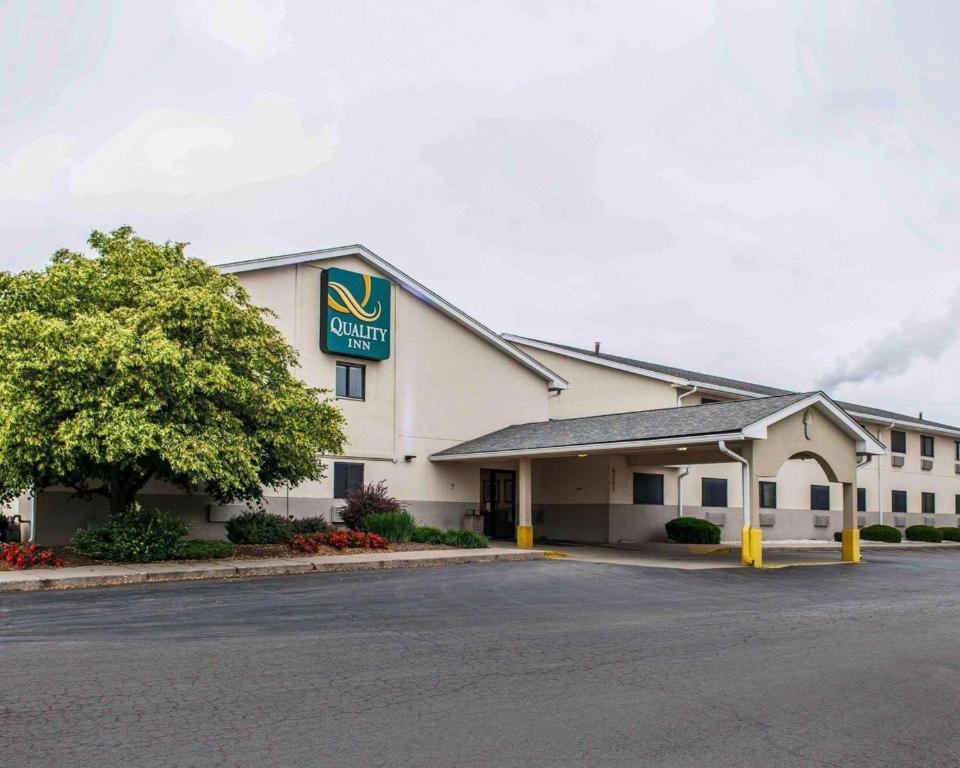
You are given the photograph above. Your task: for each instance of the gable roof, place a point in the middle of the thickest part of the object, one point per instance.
(554, 381)
(734, 420)
(685, 377)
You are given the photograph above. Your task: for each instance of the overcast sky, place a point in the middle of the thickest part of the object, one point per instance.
(765, 190)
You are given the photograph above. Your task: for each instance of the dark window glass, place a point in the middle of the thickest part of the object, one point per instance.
(956, 504)
(647, 489)
(350, 380)
(928, 503)
(713, 492)
(708, 400)
(900, 501)
(956, 449)
(820, 497)
(768, 494)
(898, 441)
(926, 445)
(347, 477)
(861, 499)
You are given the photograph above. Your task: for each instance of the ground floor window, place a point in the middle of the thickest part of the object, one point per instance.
(347, 477)
(820, 498)
(713, 492)
(899, 501)
(861, 499)
(928, 503)
(768, 494)
(956, 504)
(647, 488)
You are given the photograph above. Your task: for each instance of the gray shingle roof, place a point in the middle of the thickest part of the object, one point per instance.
(746, 386)
(688, 421)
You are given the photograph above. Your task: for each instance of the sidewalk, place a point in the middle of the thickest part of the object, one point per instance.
(139, 573)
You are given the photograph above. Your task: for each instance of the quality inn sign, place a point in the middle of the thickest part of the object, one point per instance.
(354, 314)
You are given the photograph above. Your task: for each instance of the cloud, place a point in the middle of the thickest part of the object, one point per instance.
(252, 27)
(165, 156)
(917, 338)
(29, 174)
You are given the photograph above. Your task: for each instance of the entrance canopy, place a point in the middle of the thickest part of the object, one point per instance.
(760, 434)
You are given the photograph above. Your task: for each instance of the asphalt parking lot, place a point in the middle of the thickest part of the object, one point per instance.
(541, 664)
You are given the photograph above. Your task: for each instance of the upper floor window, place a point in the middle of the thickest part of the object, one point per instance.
(899, 501)
(928, 503)
(820, 498)
(861, 499)
(768, 494)
(926, 445)
(956, 449)
(351, 380)
(347, 477)
(713, 492)
(898, 441)
(647, 488)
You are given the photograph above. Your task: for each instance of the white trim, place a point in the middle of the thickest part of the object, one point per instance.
(419, 290)
(866, 443)
(916, 426)
(573, 450)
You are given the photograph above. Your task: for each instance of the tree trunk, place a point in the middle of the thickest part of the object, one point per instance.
(123, 491)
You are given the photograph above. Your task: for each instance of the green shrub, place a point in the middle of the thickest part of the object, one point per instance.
(427, 535)
(950, 534)
(367, 500)
(397, 527)
(838, 536)
(463, 539)
(692, 530)
(309, 525)
(203, 549)
(881, 533)
(133, 536)
(924, 533)
(258, 527)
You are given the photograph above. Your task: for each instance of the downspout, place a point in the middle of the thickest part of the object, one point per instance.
(685, 394)
(751, 552)
(684, 471)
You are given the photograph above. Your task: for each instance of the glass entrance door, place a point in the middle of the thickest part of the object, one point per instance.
(499, 503)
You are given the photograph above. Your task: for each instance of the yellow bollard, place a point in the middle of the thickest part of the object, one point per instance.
(525, 536)
(756, 547)
(851, 545)
(745, 558)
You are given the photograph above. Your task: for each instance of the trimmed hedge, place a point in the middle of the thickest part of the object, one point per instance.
(426, 534)
(464, 539)
(203, 549)
(308, 525)
(950, 534)
(133, 536)
(692, 530)
(258, 527)
(881, 533)
(924, 533)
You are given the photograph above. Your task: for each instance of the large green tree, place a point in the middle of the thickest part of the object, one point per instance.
(141, 363)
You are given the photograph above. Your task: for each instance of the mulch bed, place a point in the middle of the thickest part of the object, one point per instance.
(243, 551)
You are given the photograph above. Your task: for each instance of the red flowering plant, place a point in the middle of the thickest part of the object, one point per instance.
(31, 556)
(311, 543)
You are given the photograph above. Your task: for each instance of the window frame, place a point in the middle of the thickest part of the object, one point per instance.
(363, 380)
(926, 440)
(956, 504)
(768, 485)
(861, 499)
(956, 450)
(898, 436)
(928, 496)
(705, 482)
(815, 507)
(341, 489)
(897, 494)
(643, 477)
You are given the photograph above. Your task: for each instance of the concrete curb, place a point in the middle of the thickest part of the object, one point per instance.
(113, 575)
